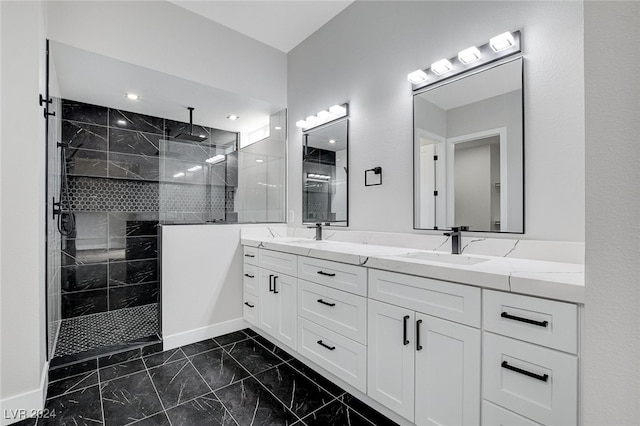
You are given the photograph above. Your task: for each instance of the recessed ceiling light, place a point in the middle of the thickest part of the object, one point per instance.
(233, 117)
(132, 96)
(259, 161)
(278, 128)
(194, 168)
(178, 175)
(440, 67)
(122, 122)
(417, 77)
(501, 42)
(469, 55)
(332, 141)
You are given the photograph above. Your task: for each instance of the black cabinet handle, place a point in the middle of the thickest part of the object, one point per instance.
(326, 303)
(249, 276)
(418, 345)
(249, 305)
(542, 378)
(249, 255)
(405, 341)
(327, 274)
(270, 282)
(527, 320)
(275, 277)
(326, 346)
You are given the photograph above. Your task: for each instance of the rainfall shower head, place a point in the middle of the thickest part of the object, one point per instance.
(190, 136)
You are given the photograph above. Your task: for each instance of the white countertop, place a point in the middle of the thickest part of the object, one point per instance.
(553, 280)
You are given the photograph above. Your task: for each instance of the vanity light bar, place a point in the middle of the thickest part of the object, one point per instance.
(324, 116)
(498, 47)
(318, 176)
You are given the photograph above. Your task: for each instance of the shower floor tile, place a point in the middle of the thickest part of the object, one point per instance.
(105, 329)
(170, 388)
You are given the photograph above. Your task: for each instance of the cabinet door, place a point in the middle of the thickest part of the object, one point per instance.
(285, 291)
(447, 373)
(390, 371)
(268, 302)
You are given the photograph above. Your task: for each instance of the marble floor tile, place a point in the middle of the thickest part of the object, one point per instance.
(71, 384)
(121, 370)
(250, 403)
(298, 393)
(206, 410)
(163, 358)
(129, 398)
(253, 356)
(336, 414)
(81, 408)
(234, 337)
(198, 347)
(178, 382)
(218, 368)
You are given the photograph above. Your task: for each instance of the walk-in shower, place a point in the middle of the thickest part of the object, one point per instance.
(118, 172)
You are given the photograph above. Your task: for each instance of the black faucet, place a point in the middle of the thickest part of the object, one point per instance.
(318, 227)
(456, 238)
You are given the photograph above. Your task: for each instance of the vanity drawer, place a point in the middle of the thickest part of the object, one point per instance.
(538, 383)
(339, 311)
(335, 353)
(341, 276)
(284, 263)
(250, 255)
(540, 321)
(455, 302)
(250, 308)
(493, 415)
(250, 279)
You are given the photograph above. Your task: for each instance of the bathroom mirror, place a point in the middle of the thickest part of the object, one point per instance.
(468, 152)
(324, 174)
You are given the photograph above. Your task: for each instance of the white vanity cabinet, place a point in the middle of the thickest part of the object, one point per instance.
(530, 362)
(426, 369)
(270, 293)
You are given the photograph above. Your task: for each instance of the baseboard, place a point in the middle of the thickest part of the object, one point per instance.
(191, 336)
(25, 405)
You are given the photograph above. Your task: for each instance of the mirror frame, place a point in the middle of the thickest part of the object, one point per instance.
(305, 134)
(451, 80)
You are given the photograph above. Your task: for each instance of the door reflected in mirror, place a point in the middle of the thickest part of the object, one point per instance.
(468, 152)
(324, 174)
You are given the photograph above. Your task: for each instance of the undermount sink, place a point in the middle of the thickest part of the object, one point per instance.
(453, 259)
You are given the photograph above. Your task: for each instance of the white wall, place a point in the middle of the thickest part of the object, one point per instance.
(363, 56)
(612, 94)
(22, 197)
(162, 36)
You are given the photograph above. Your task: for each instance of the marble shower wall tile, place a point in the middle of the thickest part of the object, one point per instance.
(83, 277)
(82, 162)
(136, 167)
(133, 295)
(133, 224)
(133, 121)
(84, 113)
(133, 272)
(174, 128)
(83, 135)
(130, 142)
(84, 303)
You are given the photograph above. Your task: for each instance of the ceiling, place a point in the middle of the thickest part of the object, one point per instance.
(81, 76)
(279, 24)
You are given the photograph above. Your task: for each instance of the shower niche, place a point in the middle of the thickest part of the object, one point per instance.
(119, 170)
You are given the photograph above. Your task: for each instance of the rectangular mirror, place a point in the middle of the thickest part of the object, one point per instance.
(468, 152)
(324, 174)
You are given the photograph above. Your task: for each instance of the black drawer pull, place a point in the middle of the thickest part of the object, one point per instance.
(270, 282)
(418, 345)
(327, 274)
(326, 346)
(249, 305)
(527, 320)
(326, 303)
(405, 341)
(249, 255)
(249, 276)
(275, 277)
(542, 378)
